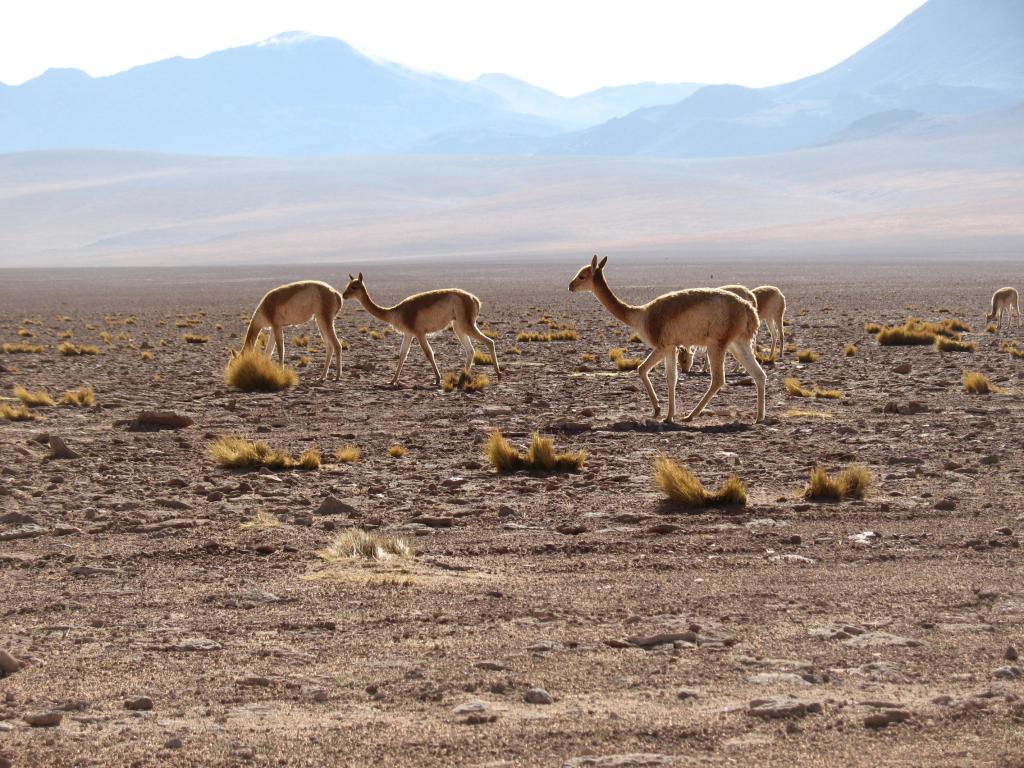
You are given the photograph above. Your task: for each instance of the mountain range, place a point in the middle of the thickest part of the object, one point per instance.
(301, 95)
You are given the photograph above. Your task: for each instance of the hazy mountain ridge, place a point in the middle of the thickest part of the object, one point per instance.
(948, 57)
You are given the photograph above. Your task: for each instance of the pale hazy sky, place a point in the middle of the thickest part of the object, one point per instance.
(569, 46)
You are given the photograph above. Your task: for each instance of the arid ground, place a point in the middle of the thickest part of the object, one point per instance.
(171, 612)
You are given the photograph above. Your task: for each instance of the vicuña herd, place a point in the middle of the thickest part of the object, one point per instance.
(675, 325)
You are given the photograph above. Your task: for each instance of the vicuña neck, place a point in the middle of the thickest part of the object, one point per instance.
(381, 313)
(619, 309)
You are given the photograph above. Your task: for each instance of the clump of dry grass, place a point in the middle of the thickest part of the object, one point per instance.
(303, 362)
(83, 397)
(301, 341)
(397, 451)
(586, 357)
(851, 483)
(1012, 349)
(944, 344)
(850, 350)
(348, 454)
(565, 334)
(796, 389)
(618, 356)
(239, 453)
(466, 382)
(33, 399)
(147, 355)
(482, 358)
(685, 489)
(977, 383)
(807, 355)
(251, 371)
(71, 350)
(261, 520)
(795, 413)
(22, 348)
(191, 338)
(916, 332)
(16, 413)
(991, 328)
(872, 327)
(541, 456)
(367, 545)
(25, 333)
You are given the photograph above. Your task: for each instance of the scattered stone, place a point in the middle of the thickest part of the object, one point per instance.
(543, 646)
(139, 704)
(903, 368)
(9, 664)
(174, 742)
(865, 538)
(491, 666)
(29, 531)
(880, 640)
(332, 505)
(571, 529)
(687, 694)
(629, 760)
(781, 707)
(59, 449)
(650, 641)
(475, 712)
(193, 645)
(945, 505)
(17, 518)
(50, 719)
(171, 504)
(778, 678)
(1011, 654)
(790, 558)
(1008, 673)
(254, 681)
(148, 421)
(663, 528)
(432, 521)
(538, 696)
(886, 717)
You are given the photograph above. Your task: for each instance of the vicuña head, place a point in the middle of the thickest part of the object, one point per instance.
(584, 280)
(355, 286)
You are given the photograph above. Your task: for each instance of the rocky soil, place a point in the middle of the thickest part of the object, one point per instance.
(156, 609)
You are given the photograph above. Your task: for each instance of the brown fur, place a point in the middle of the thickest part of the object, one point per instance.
(295, 304)
(424, 313)
(704, 317)
(771, 307)
(1005, 301)
(688, 355)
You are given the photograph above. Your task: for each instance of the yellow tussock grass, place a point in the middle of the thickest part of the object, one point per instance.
(684, 488)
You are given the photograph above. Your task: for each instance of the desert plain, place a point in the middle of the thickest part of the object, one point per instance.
(167, 611)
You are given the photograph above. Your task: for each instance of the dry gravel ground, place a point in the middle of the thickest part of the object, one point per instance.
(163, 630)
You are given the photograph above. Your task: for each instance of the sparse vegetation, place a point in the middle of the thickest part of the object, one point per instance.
(795, 413)
(851, 483)
(397, 451)
(261, 520)
(239, 453)
(22, 348)
(83, 397)
(977, 383)
(916, 332)
(147, 355)
(566, 334)
(19, 412)
(806, 355)
(850, 350)
(190, 338)
(25, 333)
(685, 489)
(301, 341)
(303, 362)
(796, 389)
(991, 328)
(586, 357)
(34, 399)
(251, 371)
(464, 381)
(1013, 349)
(541, 456)
(944, 344)
(71, 350)
(367, 545)
(618, 356)
(348, 454)
(482, 358)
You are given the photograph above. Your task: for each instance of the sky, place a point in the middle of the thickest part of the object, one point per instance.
(568, 46)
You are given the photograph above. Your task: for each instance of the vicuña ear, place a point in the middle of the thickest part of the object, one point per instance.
(360, 277)
(593, 262)
(603, 262)
(350, 276)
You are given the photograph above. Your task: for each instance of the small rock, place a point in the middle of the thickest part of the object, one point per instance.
(879, 640)
(903, 368)
(153, 420)
(777, 678)
(59, 449)
(139, 704)
(629, 760)
(945, 505)
(475, 712)
(174, 742)
(332, 505)
(538, 696)
(781, 707)
(886, 717)
(490, 666)
(865, 538)
(1011, 654)
(687, 694)
(9, 664)
(255, 681)
(49, 719)
(1008, 673)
